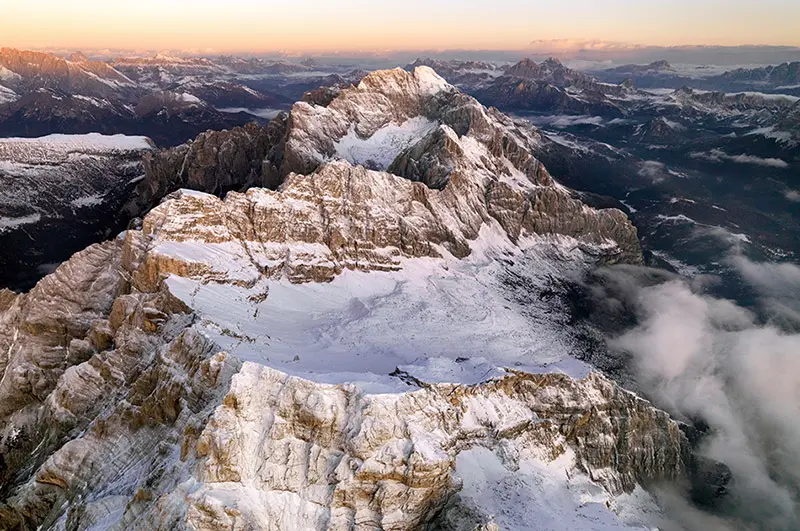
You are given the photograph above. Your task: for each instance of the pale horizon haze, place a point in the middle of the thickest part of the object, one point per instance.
(359, 25)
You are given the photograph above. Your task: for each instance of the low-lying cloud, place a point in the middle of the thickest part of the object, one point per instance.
(653, 169)
(717, 155)
(563, 121)
(737, 370)
(792, 195)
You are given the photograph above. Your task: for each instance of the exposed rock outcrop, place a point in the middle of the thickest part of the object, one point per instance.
(215, 162)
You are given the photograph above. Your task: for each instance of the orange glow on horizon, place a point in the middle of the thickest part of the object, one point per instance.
(206, 26)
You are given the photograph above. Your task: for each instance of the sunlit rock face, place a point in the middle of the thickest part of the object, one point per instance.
(344, 352)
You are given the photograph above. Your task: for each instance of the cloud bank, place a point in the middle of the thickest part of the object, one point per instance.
(738, 370)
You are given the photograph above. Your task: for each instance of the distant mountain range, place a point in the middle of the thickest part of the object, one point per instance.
(168, 99)
(172, 99)
(551, 89)
(783, 78)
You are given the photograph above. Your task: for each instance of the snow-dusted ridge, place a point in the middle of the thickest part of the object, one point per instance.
(59, 193)
(53, 148)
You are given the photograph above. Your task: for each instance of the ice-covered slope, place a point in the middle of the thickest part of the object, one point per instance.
(342, 352)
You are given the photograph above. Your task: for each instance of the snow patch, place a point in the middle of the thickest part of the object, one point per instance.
(680, 218)
(190, 98)
(675, 126)
(445, 320)
(379, 150)
(91, 142)
(94, 101)
(429, 81)
(7, 95)
(552, 495)
(8, 75)
(9, 224)
(88, 201)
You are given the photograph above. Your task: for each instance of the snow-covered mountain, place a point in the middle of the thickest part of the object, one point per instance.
(168, 99)
(61, 193)
(551, 87)
(364, 341)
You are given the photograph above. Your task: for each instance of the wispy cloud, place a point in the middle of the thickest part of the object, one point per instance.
(717, 155)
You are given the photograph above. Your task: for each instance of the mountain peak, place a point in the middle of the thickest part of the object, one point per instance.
(78, 57)
(660, 65)
(423, 80)
(525, 68)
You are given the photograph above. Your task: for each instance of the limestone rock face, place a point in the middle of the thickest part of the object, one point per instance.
(145, 383)
(417, 126)
(289, 453)
(215, 162)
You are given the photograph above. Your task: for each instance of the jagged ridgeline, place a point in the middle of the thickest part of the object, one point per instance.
(337, 346)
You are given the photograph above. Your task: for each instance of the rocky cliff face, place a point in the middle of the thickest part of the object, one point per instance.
(215, 162)
(418, 127)
(335, 353)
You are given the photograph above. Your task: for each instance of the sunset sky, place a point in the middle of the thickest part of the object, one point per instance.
(349, 25)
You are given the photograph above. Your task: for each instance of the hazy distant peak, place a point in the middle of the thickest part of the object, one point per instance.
(660, 65)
